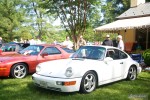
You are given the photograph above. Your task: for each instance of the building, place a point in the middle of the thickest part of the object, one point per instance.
(133, 25)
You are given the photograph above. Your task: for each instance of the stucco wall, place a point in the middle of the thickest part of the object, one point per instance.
(128, 35)
(128, 38)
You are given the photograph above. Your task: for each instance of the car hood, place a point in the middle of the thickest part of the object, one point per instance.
(57, 68)
(12, 57)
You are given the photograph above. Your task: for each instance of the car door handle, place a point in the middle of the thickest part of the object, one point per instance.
(121, 63)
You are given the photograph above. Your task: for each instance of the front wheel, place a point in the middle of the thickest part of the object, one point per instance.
(132, 73)
(88, 83)
(19, 70)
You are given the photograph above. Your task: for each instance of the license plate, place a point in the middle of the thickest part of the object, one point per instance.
(43, 84)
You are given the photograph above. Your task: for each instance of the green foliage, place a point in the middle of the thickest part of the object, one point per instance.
(102, 36)
(113, 8)
(93, 36)
(37, 17)
(146, 57)
(55, 35)
(24, 19)
(75, 15)
(10, 17)
(89, 34)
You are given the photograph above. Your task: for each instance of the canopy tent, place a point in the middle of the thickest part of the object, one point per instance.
(132, 23)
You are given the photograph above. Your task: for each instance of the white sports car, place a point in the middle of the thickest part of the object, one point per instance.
(89, 67)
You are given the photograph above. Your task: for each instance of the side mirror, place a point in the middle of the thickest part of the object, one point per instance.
(44, 54)
(108, 59)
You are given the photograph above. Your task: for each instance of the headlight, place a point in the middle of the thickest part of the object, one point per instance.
(38, 68)
(69, 72)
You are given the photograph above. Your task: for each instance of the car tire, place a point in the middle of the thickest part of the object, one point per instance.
(88, 82)
(19, 70)
(132, 73)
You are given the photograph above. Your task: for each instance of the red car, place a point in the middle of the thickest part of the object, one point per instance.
(19, 65)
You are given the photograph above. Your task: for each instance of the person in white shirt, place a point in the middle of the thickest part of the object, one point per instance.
(120, 42)
(67, 43)
(38, 41)
(32, 42)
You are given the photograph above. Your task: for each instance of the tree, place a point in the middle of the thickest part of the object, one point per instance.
(75, 15)
(11, 18)
(37, 17)
(113, 8)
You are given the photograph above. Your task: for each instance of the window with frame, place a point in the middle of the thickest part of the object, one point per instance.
(116, 54)
(122, 55)
(51, 50)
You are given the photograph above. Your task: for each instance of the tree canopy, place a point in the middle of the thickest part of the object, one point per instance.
(11, 18)
(113, 8)
(75, 15)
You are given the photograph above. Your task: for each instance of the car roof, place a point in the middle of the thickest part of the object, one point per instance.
(48, 45)
(107, 47)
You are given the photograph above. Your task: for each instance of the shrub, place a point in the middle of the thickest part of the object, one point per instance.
(146, 57)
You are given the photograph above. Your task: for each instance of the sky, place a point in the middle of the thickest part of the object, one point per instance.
(57, 22)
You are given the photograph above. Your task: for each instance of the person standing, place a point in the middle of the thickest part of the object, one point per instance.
(120, 42)
(21, 40)
(38, 41)
(67, 43)
(81, 41)
(32, 41)
(107, 41)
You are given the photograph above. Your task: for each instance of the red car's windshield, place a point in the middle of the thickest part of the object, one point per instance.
(32, 50)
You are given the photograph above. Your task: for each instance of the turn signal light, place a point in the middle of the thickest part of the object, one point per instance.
(66, 83)
(69, 83)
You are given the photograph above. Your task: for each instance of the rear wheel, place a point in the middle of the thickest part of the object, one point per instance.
(19, 70)
(132, 73)
(89, 82)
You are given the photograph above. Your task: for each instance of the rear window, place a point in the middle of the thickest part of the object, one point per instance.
(68, 50)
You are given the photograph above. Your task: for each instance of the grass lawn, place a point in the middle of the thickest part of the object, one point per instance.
(24, 89)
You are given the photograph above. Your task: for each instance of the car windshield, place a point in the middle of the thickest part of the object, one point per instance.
(90, 52)
(32, 50)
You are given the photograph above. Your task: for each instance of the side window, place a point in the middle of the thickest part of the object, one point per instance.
(122, 55)
(52, 50)
(110, 53)
(113, 53)
(13, 48)
(116, 55)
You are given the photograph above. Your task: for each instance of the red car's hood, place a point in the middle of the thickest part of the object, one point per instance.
(10, 57)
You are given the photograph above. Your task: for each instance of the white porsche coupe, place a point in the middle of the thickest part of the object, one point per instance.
(87, 68)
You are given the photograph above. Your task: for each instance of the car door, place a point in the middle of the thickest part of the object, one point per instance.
(50, 53)
(118, 62)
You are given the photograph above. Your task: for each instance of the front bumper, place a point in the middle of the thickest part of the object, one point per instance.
(51, 83)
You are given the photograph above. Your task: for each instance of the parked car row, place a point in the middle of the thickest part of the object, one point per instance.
(61, 69)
